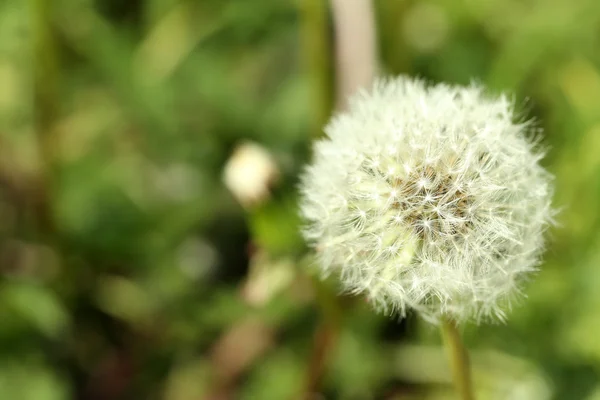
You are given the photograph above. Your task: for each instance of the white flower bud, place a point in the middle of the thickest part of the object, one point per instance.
(428, 197)
(249, 173)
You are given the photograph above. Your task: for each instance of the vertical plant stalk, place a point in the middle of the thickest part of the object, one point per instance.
(393, 52)
(45, 107)
(355, 47)
(459, 359)
(317, 54)
(355, 64)
(325, 338)
(317, 51)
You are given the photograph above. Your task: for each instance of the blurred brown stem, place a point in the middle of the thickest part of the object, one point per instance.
(459, 359)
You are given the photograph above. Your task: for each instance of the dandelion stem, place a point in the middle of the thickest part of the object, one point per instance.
(459, 359)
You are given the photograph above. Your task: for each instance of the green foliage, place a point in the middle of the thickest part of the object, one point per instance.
(126, 264)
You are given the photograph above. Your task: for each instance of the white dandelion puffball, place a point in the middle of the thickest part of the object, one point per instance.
(430, 198)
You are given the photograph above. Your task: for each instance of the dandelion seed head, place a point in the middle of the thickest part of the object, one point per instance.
(445, 204)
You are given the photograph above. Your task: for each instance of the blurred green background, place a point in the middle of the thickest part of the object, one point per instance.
(149, 246)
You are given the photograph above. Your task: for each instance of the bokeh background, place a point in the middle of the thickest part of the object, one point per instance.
(149, 246)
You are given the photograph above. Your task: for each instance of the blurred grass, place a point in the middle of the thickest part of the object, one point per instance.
(151, 262)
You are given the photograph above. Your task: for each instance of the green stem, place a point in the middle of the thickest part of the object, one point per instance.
(45, 106)
(326, 336)
(394, 53)
(459, 359)
(317, 52)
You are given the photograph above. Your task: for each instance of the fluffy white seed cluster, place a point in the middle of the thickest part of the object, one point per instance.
(428, 197)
